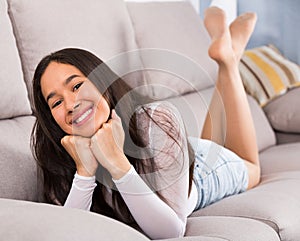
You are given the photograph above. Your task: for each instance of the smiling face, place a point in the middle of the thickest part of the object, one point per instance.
(75, 103)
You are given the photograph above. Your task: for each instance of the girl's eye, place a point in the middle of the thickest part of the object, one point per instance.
(57, 103)
(77, 86)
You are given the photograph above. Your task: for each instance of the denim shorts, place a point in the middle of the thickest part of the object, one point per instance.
(218, 172)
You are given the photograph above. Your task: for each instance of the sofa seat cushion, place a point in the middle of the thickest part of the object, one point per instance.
(20, 220)
(230, 228)
(281, 158)
(14, 100)
(17, 167)
(275, 201)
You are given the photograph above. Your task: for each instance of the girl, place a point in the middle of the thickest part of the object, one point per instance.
(102, 147)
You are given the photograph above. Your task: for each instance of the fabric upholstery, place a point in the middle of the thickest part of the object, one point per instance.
(62, 25)
(266, 74)
(193, 108)
(284, 112)
(17, 166)
(43, 222)
(218, 226)
(14, 99)
(275, 202)
(176, 57)
(72, 224)
(281, 158)
(284, 137)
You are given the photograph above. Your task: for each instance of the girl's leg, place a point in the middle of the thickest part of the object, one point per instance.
(229, 119)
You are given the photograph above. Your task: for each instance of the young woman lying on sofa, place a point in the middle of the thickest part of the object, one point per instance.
(130, 158)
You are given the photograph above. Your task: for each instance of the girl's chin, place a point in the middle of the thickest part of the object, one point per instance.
(86, 134)
(87, 130)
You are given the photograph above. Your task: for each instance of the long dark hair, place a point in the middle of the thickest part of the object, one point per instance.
(57, 166)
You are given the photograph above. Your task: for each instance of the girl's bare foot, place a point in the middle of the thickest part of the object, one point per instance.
(240, 30)
(221, 48)
(228, 44)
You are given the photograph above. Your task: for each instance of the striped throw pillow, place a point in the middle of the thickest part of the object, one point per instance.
(266, 73)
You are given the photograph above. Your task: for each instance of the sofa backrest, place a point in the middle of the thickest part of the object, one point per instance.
(175, 45)
(106, 28)
(14, 100)
(41, 27)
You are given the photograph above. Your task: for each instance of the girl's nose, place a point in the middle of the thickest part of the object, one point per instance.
(71, 104)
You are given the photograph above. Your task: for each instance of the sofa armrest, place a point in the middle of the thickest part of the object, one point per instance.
(23, 220)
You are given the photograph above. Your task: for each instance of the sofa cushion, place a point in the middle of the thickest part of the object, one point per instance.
(14, 99)
(17, 167)
(230, 228)
(194, 106)
(275, 202)
(20, 220)
(281, 158)
(72, 23)
(284, 112)
(267, 74)
(174, 45)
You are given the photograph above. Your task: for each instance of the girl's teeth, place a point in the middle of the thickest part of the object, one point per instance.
(83, 116)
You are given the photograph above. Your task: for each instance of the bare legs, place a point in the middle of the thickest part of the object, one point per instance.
(229, 120)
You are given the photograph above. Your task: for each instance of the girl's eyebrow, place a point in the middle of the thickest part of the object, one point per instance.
(66, 82)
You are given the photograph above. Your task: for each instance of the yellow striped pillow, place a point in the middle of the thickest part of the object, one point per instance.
(267, 74)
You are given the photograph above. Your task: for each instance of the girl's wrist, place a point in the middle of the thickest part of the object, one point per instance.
(121, 169)
(84, 173)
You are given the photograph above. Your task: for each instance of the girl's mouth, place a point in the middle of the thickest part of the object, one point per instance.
(83, 117)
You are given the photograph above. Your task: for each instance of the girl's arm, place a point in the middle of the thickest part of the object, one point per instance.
(81, 193)
(157, 219)
(167, 145)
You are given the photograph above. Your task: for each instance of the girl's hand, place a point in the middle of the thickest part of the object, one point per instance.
(79, 149)
(107, 146)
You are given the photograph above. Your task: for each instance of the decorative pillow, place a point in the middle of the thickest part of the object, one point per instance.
(266, 73)
(284, 112)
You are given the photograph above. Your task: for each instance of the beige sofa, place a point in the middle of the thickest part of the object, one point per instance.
(161, 45)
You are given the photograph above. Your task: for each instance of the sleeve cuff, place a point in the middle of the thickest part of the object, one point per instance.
(93, 178)
(126, 177)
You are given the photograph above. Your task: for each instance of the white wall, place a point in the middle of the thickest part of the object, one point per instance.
(195, 3)
(229, 6)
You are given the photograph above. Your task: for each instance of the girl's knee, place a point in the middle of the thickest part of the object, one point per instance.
(254, 172)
